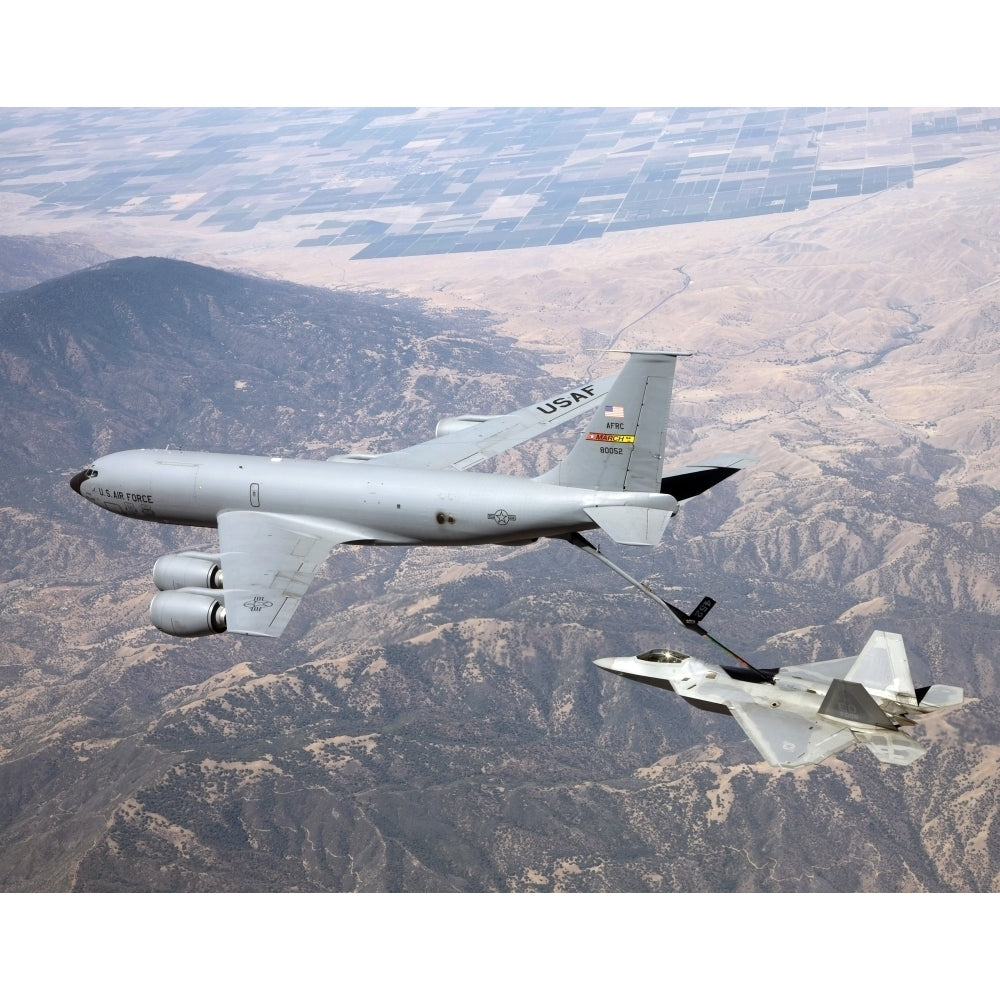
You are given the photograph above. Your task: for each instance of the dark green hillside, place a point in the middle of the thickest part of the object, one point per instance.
(27, 260)
(147, 352)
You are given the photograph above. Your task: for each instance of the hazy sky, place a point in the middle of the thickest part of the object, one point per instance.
(781, 53)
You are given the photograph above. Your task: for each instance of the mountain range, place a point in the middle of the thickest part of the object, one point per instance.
(432, 720)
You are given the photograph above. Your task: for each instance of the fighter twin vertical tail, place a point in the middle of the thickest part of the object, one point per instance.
(622, 449)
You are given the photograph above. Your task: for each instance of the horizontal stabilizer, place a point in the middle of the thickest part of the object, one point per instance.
(693, 480)
(940, 696)
(848, 701)
(631, 525)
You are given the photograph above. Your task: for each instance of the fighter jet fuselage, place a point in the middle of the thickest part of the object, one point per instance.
(803, 714)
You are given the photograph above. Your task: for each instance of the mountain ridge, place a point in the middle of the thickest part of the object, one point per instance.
(432, 721)
(56, 338)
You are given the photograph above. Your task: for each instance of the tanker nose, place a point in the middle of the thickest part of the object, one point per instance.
(78, 479)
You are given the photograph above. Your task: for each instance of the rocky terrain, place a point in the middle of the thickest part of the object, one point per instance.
(432, 721)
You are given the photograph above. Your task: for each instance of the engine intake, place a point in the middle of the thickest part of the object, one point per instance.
(188, 613)
(187, 569)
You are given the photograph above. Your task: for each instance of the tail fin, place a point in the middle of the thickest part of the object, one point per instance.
(622, 449)
(883, 668)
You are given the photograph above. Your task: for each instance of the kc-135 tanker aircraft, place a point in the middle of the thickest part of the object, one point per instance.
(279, 518)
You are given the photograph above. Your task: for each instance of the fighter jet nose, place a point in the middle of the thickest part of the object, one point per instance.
(606, 662)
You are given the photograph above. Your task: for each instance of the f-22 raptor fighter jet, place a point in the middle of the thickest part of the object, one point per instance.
(803, 714)
(278, 519)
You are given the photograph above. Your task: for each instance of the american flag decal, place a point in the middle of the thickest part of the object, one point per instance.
(615, 412)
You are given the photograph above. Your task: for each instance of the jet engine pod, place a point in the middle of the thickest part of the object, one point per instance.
(187, 613)
(448, 425)
(187, 569)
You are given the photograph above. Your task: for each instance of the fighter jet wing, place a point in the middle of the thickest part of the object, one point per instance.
(471, 445)
(268, 562)
(785, 739)
(822, 672)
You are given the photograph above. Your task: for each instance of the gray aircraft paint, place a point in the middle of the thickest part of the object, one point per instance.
(278, 518)
(384, 505)
(807, 713)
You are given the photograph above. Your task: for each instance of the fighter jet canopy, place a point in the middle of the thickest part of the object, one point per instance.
(663, 656)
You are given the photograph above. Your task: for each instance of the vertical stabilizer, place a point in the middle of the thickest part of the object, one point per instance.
(883, 668)
(622, 449)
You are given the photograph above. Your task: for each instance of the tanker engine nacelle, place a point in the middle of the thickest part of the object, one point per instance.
(187, 569)
(190, 600)
(188, 613)
(448, 425)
